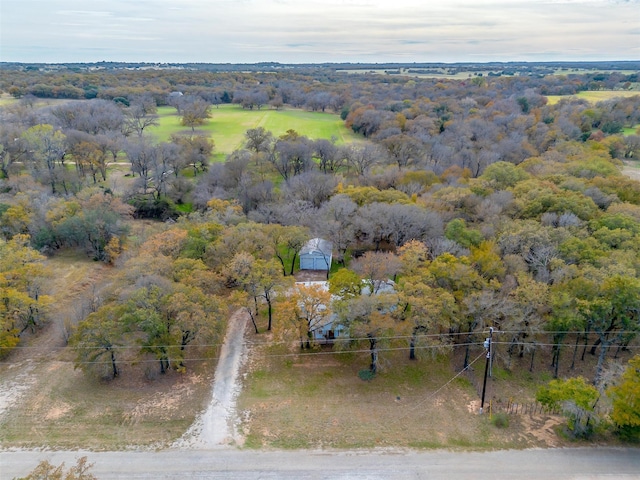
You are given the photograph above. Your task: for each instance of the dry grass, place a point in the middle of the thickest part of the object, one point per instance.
(632, 170)
(60, 407)
(69, 410)
(318, 401)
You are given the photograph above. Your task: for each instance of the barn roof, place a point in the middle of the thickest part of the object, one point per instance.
(317, 245)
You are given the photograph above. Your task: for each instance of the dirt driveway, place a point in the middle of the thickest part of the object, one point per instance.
(216, 426)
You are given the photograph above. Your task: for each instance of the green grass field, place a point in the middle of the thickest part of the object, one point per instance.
(405, 73)
(6, 99)
(595, 96)
(229, 123)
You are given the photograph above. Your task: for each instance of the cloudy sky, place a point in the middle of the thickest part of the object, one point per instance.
(300, 31)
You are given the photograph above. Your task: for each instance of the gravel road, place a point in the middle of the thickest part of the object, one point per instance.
(229, 463)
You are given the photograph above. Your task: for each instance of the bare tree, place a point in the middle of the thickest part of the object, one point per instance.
(291, 157)
(45, 151)
(137, 119)
(258, 139)
(376, 269)
(403, 149)
(362, 157)
(141, 155)
(312, 186)
(195, 112)
(94, 116)
(330, 157)
(194, 151)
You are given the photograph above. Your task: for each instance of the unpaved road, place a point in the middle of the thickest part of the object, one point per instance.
(227, 463)
(215, 427)
(77, 281)
(631, 172)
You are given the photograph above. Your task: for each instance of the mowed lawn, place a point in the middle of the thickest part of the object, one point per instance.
(228, 124)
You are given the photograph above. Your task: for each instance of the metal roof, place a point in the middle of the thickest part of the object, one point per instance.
(317, 245)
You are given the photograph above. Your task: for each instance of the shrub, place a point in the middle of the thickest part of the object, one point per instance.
(154, 208)
(625, 398)
(500, 420)
(576, 397)
(366, 375)
(45, 470)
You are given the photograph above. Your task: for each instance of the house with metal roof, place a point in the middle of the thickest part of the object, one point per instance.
(316, 254)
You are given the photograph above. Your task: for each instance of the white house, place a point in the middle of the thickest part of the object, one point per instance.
(332, 328)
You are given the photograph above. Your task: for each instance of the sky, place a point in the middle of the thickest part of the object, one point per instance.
(315, 31)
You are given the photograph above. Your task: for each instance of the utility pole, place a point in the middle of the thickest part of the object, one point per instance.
(487, 345)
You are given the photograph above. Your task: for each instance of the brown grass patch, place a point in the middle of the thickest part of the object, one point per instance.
(309, 402)
(318, 401)
(69, 410)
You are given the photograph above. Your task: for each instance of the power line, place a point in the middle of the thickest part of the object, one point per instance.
(325, 353)
(411, 409)
(269, 355)
(350, 339)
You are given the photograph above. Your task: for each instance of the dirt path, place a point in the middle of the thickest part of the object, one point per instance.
(21, 371)
(216, 427)
(631, 172)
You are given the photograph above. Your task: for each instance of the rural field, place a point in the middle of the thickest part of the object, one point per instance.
(228, 124)
(594, 96)
(598, 96)
(294, 400)
(318, 401)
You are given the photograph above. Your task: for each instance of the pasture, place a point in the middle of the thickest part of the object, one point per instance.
(228, 124)
(439, 73)
(6, 99)
(594, 96)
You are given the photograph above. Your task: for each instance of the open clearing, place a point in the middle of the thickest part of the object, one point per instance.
(294, 400)
(632, 170)
(594, 96)
(228, 124)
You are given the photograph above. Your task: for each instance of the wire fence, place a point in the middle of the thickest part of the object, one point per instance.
(511, 407)
(530, 408)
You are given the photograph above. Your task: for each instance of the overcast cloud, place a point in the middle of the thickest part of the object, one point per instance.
(300, 31)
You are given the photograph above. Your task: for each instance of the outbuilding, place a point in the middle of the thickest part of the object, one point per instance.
(316, 254)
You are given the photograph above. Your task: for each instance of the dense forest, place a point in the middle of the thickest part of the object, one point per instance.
(483, 202)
